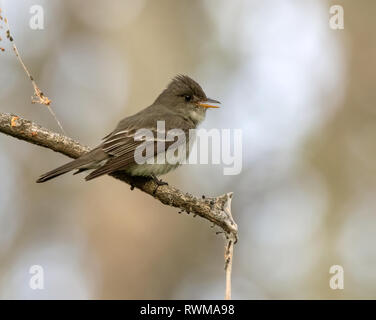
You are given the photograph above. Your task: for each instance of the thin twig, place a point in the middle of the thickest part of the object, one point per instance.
(232, 238)
(229, 253)
(38, 96)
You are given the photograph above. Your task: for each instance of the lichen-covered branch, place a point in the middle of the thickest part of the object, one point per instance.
(215, 209)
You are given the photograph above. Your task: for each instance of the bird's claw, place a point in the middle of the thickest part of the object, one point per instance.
(158, 182)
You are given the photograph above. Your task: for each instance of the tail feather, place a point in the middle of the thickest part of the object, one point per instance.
(75, 164)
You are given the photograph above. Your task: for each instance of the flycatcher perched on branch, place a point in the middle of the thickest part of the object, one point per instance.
(181, 106)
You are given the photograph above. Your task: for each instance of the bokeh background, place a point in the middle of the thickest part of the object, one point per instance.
(303, 95)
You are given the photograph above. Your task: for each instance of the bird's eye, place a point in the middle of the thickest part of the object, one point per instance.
(188, 98)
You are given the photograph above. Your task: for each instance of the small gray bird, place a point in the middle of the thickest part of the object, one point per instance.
(182, 105)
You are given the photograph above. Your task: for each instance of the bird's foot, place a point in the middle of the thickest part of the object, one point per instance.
(158, 182)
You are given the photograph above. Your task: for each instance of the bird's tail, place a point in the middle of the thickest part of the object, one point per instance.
(75, 164)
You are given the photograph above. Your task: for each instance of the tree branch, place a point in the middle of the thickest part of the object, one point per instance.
(215, 209)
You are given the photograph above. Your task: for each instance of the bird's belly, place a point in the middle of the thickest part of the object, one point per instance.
(150, 169)
(161, 164)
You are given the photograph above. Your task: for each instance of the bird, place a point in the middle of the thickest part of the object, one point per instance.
(181, 105)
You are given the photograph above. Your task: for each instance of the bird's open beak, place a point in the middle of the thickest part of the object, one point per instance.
(208, 103)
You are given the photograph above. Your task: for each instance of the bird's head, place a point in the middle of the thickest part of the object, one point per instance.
(184, 95)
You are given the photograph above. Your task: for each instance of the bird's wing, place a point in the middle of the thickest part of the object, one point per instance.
(122, 143)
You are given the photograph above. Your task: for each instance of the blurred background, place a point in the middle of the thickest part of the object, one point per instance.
(301, 92)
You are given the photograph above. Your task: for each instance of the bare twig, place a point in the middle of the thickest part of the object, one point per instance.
(215, 209)
(38, 96)
(229, 253)
(229, 249)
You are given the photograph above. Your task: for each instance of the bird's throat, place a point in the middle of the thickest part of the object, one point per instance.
(197, 116)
